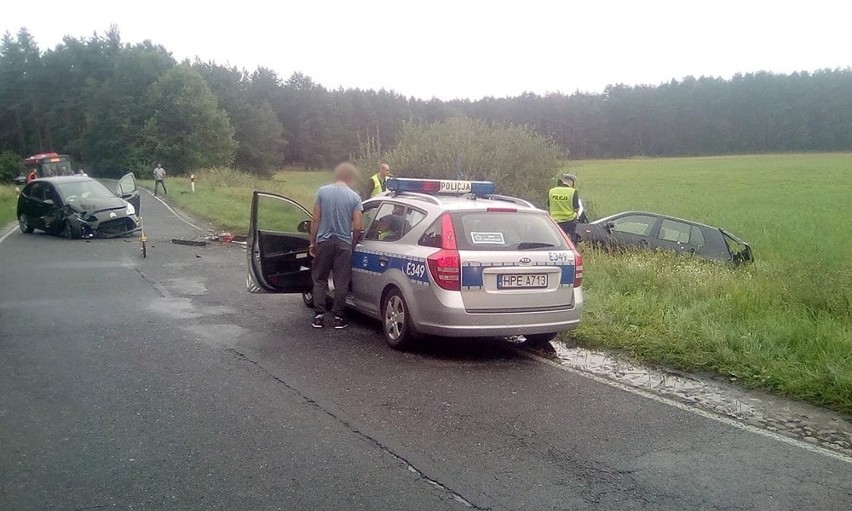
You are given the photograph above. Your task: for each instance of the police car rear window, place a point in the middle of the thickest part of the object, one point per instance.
(506, 231)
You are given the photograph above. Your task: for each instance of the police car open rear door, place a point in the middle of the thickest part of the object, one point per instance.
(278, 240)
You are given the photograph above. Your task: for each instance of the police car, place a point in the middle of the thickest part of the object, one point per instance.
(445, 258)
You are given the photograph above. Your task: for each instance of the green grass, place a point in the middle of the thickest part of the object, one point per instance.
(8, 203)
(223, 197)
(782, 324)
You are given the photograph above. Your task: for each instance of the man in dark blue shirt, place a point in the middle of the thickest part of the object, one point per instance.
(335, 228)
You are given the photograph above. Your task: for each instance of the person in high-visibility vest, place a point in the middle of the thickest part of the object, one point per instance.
(378, 182)
(563, 202)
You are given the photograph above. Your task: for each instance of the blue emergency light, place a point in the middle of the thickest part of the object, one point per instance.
(440, 186)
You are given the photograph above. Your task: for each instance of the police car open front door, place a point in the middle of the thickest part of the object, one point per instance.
(127, 190)
(278, 240)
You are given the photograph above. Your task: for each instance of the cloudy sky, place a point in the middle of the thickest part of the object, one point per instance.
(472, 48)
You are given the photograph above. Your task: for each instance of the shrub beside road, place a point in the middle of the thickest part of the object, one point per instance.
(783, 323)
(8, 204)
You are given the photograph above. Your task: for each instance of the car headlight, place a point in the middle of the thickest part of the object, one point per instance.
(130, 209)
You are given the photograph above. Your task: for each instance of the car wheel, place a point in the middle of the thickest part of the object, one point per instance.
(24, 224)
(539, 339)
(72, 230)
(396, 321)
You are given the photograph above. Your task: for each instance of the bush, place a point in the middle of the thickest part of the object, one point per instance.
(520, 161)
(10, 166)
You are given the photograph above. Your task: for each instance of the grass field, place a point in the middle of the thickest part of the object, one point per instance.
(783, 324)
(8, 203)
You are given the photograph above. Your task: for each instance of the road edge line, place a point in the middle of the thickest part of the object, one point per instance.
(172, 210)
(691, 409)
(3, 238)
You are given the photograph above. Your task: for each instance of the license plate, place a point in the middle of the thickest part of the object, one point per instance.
(522, 281)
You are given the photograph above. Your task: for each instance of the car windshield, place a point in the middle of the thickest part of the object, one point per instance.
(84, 189)
(493, 231)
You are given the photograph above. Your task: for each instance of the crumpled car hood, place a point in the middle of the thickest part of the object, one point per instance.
(95, 205)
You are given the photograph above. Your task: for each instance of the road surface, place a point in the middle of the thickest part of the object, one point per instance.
(159, 383)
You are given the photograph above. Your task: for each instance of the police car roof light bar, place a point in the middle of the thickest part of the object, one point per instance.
(440, 186)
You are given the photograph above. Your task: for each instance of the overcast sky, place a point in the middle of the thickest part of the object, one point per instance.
(459, 48)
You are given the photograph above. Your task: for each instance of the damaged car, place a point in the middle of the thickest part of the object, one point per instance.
(79, 207)
(652, 231)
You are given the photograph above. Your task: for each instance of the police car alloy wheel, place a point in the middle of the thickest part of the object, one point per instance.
(396, 322)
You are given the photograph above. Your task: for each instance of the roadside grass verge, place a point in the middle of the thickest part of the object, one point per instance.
(758, 324)
(8, 204)
(223, 196)
(783, 324)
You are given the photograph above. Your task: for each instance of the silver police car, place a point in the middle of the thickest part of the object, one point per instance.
(446, 258)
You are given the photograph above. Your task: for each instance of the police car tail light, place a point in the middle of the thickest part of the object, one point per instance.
(445, 265)
(578, 259)
(578, 269)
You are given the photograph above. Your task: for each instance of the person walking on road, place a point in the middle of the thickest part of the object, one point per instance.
(160, 179)
(335, 228)
(378, 183)
(563, 203)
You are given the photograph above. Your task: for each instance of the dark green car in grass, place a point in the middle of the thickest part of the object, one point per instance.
(651, 231)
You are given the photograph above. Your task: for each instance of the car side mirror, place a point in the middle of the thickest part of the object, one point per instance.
(304, 226)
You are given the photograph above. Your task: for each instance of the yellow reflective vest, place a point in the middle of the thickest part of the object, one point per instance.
(560, 201)
(378, 186)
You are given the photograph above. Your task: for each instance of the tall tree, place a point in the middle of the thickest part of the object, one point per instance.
(187, 129)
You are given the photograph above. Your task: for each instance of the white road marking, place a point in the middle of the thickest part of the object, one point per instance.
(175, 213)
(691, 409)
(11, 231)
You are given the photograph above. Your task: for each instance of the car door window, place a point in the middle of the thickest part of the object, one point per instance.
(368, 216)
(34, 191)
(696, 237)
(675, 232)
(432, 236)
(412, 218)
(275, 214)
(634, 224)
(126, 185)
(390, 223)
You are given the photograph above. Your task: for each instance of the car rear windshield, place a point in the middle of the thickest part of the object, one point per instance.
(492, 231)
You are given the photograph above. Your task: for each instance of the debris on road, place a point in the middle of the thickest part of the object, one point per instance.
(192, 243)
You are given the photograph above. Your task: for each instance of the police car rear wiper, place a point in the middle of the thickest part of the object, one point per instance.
(529, 245)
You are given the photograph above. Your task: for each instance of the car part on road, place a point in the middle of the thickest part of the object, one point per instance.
(191, 243)
(539, 339)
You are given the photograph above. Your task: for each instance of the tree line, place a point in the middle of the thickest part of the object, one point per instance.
(115, 106)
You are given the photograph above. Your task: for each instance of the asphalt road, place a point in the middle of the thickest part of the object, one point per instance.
(160, 383)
